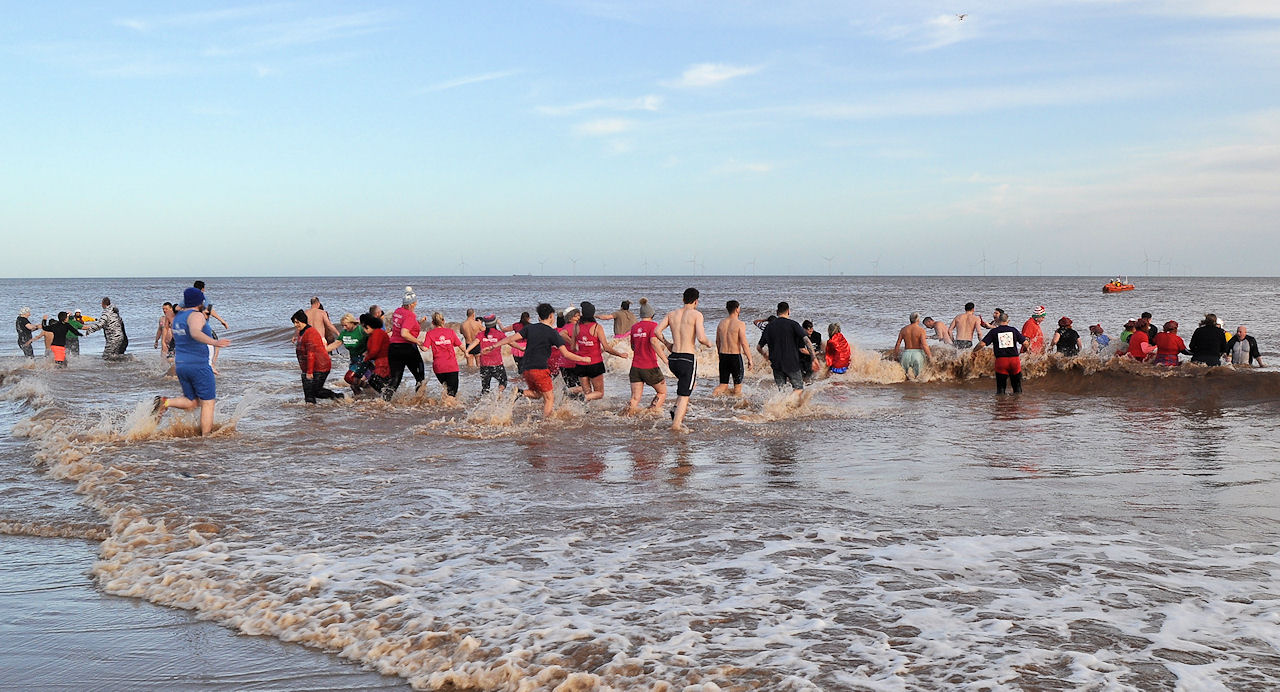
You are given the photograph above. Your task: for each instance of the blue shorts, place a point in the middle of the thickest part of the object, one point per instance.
(197, 382)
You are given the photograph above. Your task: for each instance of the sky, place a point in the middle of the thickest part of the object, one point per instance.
(602, 137)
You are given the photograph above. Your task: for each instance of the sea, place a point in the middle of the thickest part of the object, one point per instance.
(1114, 527)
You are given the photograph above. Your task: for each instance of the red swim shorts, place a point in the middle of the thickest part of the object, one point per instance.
(59, 353)
(1008, 366)
(538, 380)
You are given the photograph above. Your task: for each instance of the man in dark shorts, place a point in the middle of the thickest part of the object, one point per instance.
(686, 332)
(26, 332)
(1004, 342)
(732, 348)
(783, 342)
(646, 349)
(540, 337)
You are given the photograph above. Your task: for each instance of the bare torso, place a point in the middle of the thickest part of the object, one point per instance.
(942, 331)
(319, 319)
(470, 328)
(731, 336)
(686, 329)
(913, 337)
(967, 325)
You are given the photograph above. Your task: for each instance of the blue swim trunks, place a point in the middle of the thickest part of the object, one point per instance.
(197, 382)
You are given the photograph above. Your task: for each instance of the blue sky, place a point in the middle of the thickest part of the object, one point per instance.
(420, 138)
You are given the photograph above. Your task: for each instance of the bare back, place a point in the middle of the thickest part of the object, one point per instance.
(686, 329)
(731, 336)
(913, 337)
(319, 319)
(967, 326)
(470, 327)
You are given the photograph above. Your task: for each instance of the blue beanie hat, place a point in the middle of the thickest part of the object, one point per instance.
(192, 298)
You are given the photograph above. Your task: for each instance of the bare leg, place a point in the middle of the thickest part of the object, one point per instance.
(659, 396)
(637, 391)
(720, 390)
(213, 364)
(548, 403)
(594, 387)
(206, 416)
(737, 390)
(682, 406)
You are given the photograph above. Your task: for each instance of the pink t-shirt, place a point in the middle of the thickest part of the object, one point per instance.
(403, 318)
(442, 341)
(491, 337)
(643, 356)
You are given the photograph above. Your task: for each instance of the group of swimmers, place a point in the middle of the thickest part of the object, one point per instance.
(62, 334)
(1140, 340)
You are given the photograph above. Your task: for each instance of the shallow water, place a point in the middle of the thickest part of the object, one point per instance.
(1112, 528)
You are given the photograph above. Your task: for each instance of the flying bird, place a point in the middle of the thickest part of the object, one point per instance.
(961, 16)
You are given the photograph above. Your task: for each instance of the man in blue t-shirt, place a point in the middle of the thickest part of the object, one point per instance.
(192, 338)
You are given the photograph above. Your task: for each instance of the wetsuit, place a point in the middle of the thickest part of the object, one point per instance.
(1244, 351)
(25, 337)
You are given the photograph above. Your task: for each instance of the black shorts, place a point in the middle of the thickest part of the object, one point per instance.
(489, 373)
(685, 367)
(649, 376)
(731, 368)
(590, 370)
(449, 380)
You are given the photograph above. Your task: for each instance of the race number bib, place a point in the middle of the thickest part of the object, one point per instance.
(1004, 339)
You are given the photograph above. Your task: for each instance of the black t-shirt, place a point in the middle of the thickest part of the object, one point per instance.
(539, 340)
(1006, 346)
(59, 330)
(816, 338)
(785, 338)
(24, 334)
(1208, 343)
(1068, 341)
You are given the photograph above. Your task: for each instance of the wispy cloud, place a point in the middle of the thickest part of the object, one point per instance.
(651, 103)
(735, 167)
(711, 74)
(301, 32)
(469, 79)
(603, 127)
(197, 19)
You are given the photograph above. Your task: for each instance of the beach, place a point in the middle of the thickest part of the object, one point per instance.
(1113, 527)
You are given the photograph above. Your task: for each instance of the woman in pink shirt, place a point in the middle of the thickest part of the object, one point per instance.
(405, 342)
(445, 344)
(589, 337)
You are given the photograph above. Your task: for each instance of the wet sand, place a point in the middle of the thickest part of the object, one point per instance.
(60, 632)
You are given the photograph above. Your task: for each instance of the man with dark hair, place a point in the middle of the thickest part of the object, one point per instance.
(112, 326)
(686, 332)
(783, 341)
(732, 348)
(540, 338)
(192, 338)
(966, 327)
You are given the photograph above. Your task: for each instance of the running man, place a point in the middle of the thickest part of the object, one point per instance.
(191, 342)
(647, 349)
(782, 342)
(539, 337)
(686, 329)
(61, 331)
(732, 349)
(916, 340)
(966, 328)
(1004, 341)
(470, 328)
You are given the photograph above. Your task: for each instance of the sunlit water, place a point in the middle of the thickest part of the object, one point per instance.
(1115, 527)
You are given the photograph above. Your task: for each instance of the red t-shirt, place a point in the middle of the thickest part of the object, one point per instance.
(442, 341)
(1139, 347)
(403, 318)
(491, 337)
(588, 344)
(643, 355)
(1168, 344)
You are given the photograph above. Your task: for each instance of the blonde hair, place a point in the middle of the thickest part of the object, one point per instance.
(437, 319)
(349, 318)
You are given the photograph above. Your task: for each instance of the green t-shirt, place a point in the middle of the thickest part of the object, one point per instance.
(74, 323)
(353, 340)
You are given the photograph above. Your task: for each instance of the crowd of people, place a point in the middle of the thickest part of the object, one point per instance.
(569, 345)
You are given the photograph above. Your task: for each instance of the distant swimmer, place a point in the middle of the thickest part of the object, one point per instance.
(192, 338)
(1004, 342)
(686, 332)
(732, 349)
(838, 354)
(966, 328)
(916, 342)
(1244, 348)
(783, 341)
(647, 349)
(940, 331)
(540, 338)
(1031, 331)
